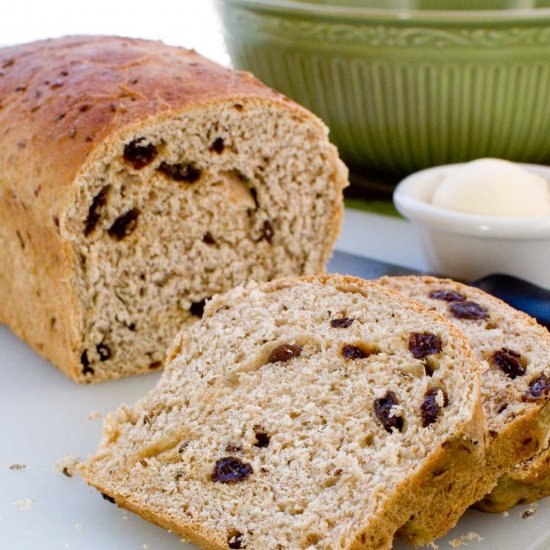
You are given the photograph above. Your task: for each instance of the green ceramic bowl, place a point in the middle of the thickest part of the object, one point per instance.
(402, 85)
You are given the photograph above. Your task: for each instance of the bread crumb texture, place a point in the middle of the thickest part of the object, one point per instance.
(275, 428)
(514, 354)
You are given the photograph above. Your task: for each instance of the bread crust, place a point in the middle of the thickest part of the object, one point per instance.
(507, 447)
(454, 463)
(62, 102)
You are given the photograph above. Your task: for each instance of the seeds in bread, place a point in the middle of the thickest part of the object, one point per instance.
(137, 181)
(514, 353)
(294, 415)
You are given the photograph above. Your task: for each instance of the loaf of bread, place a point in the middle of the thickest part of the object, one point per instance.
(136, 181)
(514, 353)
(298, 414)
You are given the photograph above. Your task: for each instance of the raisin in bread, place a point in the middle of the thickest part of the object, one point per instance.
(137, 181)
(514, 352)
(298, 414)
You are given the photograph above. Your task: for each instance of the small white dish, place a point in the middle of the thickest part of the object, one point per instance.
(466, 246)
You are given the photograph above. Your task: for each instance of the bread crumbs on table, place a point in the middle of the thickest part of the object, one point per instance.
(94, 415)
(67, 465)
(24, 504)
(529, 512)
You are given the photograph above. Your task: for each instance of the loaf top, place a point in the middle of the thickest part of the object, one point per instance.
(298, 414)
(60, 98)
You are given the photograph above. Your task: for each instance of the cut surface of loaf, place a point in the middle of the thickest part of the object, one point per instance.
(298, 414)
(140, 179)
(514, 353)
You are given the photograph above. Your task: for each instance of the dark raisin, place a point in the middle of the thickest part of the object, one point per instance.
(382, 409)
(538, 387)
(139, 154)
(343, 322)
(262, 439)
(254, 194)
(350, 351)
(65, 471)
(95, 211)
(104, 351)
(447, 295)
(183, 446)
(108, 498)
(230, 470)
(84, 108)
(468, 310)
(284, 352)
(21, 89)
(86, 369)
(181, 172)
(208, 239)
(218, 145)
(197, 308)
(124, 225)
(422, 344)
(236, 541)
(509, 362)
(267, 232)
(155, 365)
(430, 409)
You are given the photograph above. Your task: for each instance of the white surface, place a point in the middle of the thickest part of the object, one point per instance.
(44, 416)
(469, 246)
(189, 23)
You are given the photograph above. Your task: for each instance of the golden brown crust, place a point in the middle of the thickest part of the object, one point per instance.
(453, 467)
(60, 101)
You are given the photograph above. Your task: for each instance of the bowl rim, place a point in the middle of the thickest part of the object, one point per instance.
(515, 16)
(485, 227)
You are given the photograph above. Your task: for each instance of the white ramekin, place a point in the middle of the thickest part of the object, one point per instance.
(466, 246)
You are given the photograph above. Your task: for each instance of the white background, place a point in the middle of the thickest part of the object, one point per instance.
(189, 23)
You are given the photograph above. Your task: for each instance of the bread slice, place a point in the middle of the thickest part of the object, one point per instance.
(137, 181)
(514, 352)
(526, 482)
(297, 414)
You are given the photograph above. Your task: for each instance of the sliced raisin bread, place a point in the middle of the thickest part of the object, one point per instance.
(514, 352)
(298, 414)
(137, 180)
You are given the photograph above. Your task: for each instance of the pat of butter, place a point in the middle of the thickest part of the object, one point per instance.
(493, 187)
